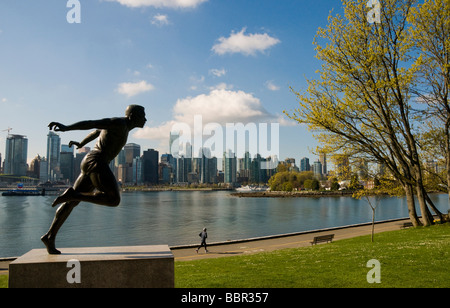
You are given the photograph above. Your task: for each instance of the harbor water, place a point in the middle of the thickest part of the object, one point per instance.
(176, 218)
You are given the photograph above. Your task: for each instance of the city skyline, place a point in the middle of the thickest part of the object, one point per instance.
(57, 137)
(137, 165)
(229, 61)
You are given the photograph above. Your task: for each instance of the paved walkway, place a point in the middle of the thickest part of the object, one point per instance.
(233, 248)
(280, 242)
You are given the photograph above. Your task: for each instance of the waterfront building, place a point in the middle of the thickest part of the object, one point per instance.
(167, 169)
(35, 167)
(67, 164)
(304, 164)
(125, 168)
(229, 167)
(323, 161)
(137, 167)
(174, 149)
(150, 160)
(53, 156)
(182, 170)
(317, 168)
(43, 171)
(16, 155)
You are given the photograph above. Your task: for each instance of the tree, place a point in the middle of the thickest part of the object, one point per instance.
(430, 32)
(361, 103)
(312, 184)
(334, 184)
(289, 180)
(364, 194)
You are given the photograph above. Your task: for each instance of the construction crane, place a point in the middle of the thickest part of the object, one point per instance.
(8, 129)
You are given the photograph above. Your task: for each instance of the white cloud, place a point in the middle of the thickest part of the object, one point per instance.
(131, 89)
(220, 106)
(160, 20)
(247, 44)
(160, 3)
(218, 73)
(271, 86)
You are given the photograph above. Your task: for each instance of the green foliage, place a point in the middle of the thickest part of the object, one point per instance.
(311, 184)
(289, 180)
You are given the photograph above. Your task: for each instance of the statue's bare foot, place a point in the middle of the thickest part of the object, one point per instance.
(50, 244)
(66, 196)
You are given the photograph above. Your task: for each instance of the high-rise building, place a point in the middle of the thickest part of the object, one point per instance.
(230, 165)
(182, 169)
(174, 148)
(137, 167)
(43, 172)
(16, 155)
(132, 150)
(150, 160)
(67, 163)
(125, 169)
(317, 168)
(304, 164)
(323, 161)
(53, 156)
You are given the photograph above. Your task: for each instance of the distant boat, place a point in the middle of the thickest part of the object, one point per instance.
(22, 192)
(251, 188)
(244, 189)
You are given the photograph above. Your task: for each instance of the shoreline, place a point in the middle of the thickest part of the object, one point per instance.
(296, 194)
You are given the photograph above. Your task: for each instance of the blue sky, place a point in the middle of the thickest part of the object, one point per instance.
(227, 60)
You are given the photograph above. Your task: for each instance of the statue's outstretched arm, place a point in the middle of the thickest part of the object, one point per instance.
(86, 140)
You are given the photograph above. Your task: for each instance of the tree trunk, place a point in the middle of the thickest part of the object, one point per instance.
(427, 218)
(432, 206)
(447, 154)
(411, 206)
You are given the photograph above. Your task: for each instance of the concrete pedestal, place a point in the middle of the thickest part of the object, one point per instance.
(95, 267)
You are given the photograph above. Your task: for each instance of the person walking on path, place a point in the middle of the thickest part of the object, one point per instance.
(204, 236)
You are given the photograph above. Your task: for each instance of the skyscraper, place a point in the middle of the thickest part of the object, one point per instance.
(53, 156)
(150, 160)
(317, 169)
(174, 149)
(304, 164)
(16, 155)
(67, 163)
(230, 165)
(323, 161)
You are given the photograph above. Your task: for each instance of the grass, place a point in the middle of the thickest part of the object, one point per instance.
(3, 281)
(411, 258)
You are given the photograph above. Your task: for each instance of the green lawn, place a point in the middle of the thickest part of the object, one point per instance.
(411, 258)
(415, 257)
(3, 281)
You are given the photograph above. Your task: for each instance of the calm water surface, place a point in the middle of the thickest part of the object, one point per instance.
(176, 218)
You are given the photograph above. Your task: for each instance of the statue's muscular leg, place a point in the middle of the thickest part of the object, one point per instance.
(83, 183)
(107, 193)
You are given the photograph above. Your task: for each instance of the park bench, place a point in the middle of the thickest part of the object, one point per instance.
(322, 238)
(406, 225)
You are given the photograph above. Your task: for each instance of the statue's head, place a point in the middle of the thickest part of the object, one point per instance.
(136, 114)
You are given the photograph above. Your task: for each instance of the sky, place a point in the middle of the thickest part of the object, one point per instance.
(228, 61)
